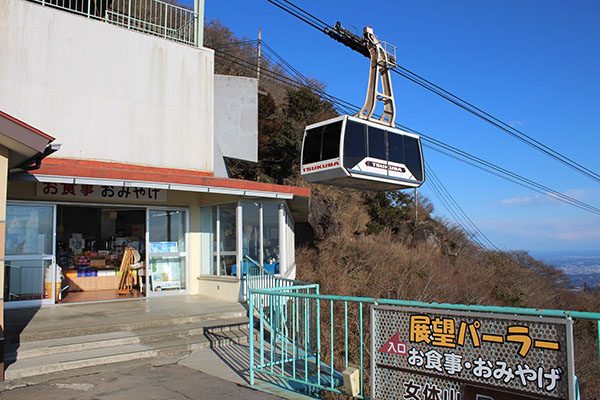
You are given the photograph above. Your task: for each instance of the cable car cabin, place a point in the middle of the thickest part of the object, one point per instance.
(352, 152)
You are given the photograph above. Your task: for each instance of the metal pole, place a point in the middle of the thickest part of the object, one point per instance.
(166, 19)
(416, 207)
(261, 256)
(251, 334)
(239, 243)
(218, 240)
(281, 219)
(258, 55)
(129, 15)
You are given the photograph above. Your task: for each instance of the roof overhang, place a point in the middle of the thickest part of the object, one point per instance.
(90, 172)
(23, 141)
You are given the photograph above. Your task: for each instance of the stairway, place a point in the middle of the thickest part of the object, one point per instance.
(53, 350)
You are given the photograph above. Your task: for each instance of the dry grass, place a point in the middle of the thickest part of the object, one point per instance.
(436, 265)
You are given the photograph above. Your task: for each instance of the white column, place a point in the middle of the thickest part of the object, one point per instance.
(261, 257)
(199, 25)
(239, 244)
(282, 241)
(218, 241)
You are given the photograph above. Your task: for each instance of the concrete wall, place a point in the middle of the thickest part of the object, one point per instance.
(3, 188)
(224, 288)
(105, 92)
(236, 120)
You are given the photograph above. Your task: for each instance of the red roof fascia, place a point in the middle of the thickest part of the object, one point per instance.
(26, 126)
(112, 170)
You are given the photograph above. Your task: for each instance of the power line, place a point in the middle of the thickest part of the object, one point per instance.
(435, 179)
(438, 193)
(432, 143)
(305, 17)
(354, 42)
(240, 43)
(515, 133)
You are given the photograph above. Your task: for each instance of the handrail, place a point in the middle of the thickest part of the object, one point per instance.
(155, 17)
(277, 277)
(293, 317)
(588, 315)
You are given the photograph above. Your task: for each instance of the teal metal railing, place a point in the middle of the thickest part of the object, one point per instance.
(307, 338)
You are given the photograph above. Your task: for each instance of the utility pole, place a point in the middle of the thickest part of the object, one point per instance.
(416, 207)
(258, 55)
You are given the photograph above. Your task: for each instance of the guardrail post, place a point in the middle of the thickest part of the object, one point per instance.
(165, 29)
(89, 5)
(251, 335)
(598, 327)
(129, 14)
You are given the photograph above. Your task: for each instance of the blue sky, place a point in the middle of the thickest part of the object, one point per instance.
(534, 64)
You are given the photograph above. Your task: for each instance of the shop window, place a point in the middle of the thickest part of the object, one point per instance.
(251, 231)
(259, 220)
(271, 236)
(28, 230)
(29, 259)
(167, 251)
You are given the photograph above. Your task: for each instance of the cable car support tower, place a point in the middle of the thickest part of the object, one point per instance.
(383, 59)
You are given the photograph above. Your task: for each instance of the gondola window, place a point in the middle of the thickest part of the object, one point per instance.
(377, 143)
(396, 148)
(413, 157)
(331, 141)
(312, 147)
(355, 145)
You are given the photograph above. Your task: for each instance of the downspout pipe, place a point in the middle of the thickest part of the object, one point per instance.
(35, 162)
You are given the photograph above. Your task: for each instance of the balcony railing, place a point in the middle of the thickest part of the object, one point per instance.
(154, 17)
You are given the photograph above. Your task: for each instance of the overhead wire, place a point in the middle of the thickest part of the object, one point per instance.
(240, 43)
(458, 220)
(314, 23)
(468, 221)
(320, 25)
(435, 144)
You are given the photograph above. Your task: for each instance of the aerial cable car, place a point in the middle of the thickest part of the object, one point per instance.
(362, 151)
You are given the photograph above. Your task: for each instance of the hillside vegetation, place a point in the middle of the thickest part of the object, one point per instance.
(369, 244)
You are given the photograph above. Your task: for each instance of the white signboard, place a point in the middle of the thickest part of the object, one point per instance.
(71, 192)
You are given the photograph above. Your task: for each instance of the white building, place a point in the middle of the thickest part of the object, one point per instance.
(144, 125)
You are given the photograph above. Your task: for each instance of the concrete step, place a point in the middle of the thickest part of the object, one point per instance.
(92, 356)
(38, 335)
(46, 347)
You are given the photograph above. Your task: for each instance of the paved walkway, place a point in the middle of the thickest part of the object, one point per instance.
(231, 363)
(71, 317)
(128, 381)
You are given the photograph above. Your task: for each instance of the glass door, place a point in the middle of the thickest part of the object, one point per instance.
(225, 252)
(167, 252)
(29, 271)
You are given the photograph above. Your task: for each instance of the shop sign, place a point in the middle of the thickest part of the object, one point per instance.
(68, 191)
(426, 354)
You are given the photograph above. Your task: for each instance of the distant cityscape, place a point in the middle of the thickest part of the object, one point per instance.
(582, 268)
